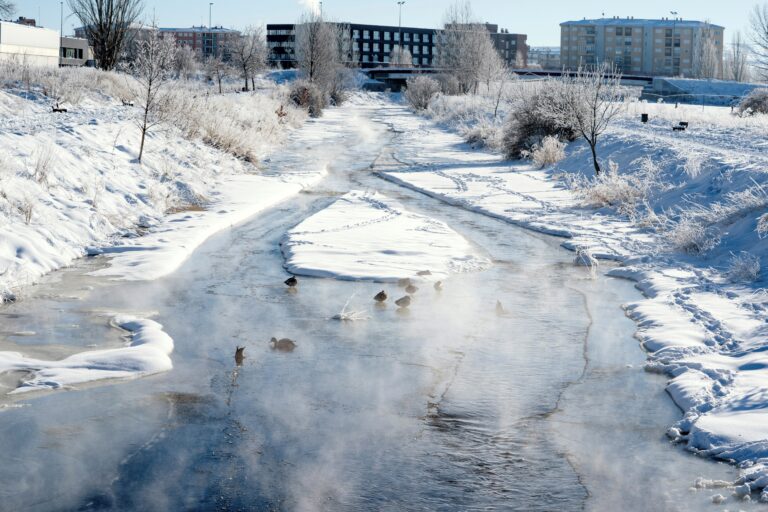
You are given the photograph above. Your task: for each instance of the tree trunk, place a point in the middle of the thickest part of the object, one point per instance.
(593, 147)
(141, 149)
(219, 85)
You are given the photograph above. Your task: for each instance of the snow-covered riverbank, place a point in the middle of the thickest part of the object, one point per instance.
(704, 322)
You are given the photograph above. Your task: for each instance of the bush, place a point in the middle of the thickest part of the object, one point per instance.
(526, 124)
(308, 96)
(744, 267)
(449, 84)
(691, 236)
(755, 102)
(762, 226)
(548, 152)
(420, 90)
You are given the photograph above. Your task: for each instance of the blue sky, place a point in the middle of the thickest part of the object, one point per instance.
(538, 18)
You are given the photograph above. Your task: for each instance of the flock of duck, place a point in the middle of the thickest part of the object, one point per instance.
(288, 345)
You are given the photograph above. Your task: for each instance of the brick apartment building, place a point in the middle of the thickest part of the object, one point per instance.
(665, 47)
(205, 41)
(370, 46)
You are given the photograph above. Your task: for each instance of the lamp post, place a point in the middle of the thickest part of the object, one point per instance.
(210, 15)
(400, 5)
(675, 69)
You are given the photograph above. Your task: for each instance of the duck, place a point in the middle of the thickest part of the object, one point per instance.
(381, 296)
(239, 355)
(410, 289)
(283, 345)
(424, 273)
(439, 286)
(291, 282)
(404, 302)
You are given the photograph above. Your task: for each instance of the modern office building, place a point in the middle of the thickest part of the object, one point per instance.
(370, 46)
(35, 46)
(205, 41)
(544, 57)
(665, 47)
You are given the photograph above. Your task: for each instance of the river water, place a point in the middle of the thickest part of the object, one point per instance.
(448, 407)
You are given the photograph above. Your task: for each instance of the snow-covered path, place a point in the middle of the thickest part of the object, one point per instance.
(453, 404)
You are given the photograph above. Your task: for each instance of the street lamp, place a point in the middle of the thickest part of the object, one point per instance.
(400, 5)
(210, 15)
(675, 70)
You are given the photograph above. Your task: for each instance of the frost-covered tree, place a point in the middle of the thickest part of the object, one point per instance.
(465, 47)
(706, 55)
(218, 69)
(107, 25)
(400, 57)
(737, 59)
(759, 33)
(589, 101)
(7, 8)
(153, 69)
(248, 54)
(317, 50)
(420, 90)
(186, 63)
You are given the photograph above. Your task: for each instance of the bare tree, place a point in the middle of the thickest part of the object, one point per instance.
(153, 69)
(186, 63)
(7, 8)
(317, 50)
(249, 53)
(737, 59)
(465, 47)
(400, 57)
(107, 25)
(217, 69)
(588, 103)
(706, 55)
(759, 33)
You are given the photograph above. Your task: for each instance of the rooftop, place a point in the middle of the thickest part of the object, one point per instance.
(664, 22)
(207, 30)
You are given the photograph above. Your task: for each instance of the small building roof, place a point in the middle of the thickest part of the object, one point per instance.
(632, 22)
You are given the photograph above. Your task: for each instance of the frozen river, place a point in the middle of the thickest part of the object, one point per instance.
(448, 407)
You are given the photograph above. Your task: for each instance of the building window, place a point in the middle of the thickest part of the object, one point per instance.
(375, 47)
(425, 50)
(425, 61)
(386, 47)
(387, 36)
(619, 31)
(628, 31)
(366, 34)
(356, 34)
(407, 37)
(365, 58)
(416, 38)
(366, 47)
(375, 34)
(397, 36)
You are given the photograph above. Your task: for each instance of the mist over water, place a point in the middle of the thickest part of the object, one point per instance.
(449, 406)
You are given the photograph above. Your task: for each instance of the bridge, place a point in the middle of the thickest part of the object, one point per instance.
(395, 78)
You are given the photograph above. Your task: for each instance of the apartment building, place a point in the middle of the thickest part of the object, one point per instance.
(544, 57)
(370, 46)
(665, 47)
(35, 46)
(205, 41)
(76, 52)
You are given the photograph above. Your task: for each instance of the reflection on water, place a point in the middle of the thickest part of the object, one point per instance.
(443, 408)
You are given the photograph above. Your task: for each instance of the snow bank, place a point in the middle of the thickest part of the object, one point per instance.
(369, 236)
(147, 353)
(684, 243)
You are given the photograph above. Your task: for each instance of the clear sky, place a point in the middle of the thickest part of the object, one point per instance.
(539, 19)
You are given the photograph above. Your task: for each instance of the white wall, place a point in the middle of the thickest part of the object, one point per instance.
(37, 46)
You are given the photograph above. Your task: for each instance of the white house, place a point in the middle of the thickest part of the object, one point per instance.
(34, 45)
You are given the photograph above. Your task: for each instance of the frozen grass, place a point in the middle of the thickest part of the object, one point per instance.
(548, 152)
(744, 267)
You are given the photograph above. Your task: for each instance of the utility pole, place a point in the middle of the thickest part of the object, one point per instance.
(61, 23)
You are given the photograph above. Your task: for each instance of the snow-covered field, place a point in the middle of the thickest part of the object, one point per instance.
(692, 237)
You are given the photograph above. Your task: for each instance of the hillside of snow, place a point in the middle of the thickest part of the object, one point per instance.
(685, 214)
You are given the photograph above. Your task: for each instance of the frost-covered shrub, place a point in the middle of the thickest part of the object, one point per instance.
(43, 160)
(482, 133)
(306, 95)
(548, 152)
(420, 90)
(625, 192)
(755, 102)
(762, 226)
(449, 84)
(744, 267)
(691, 236)
(527, 125)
